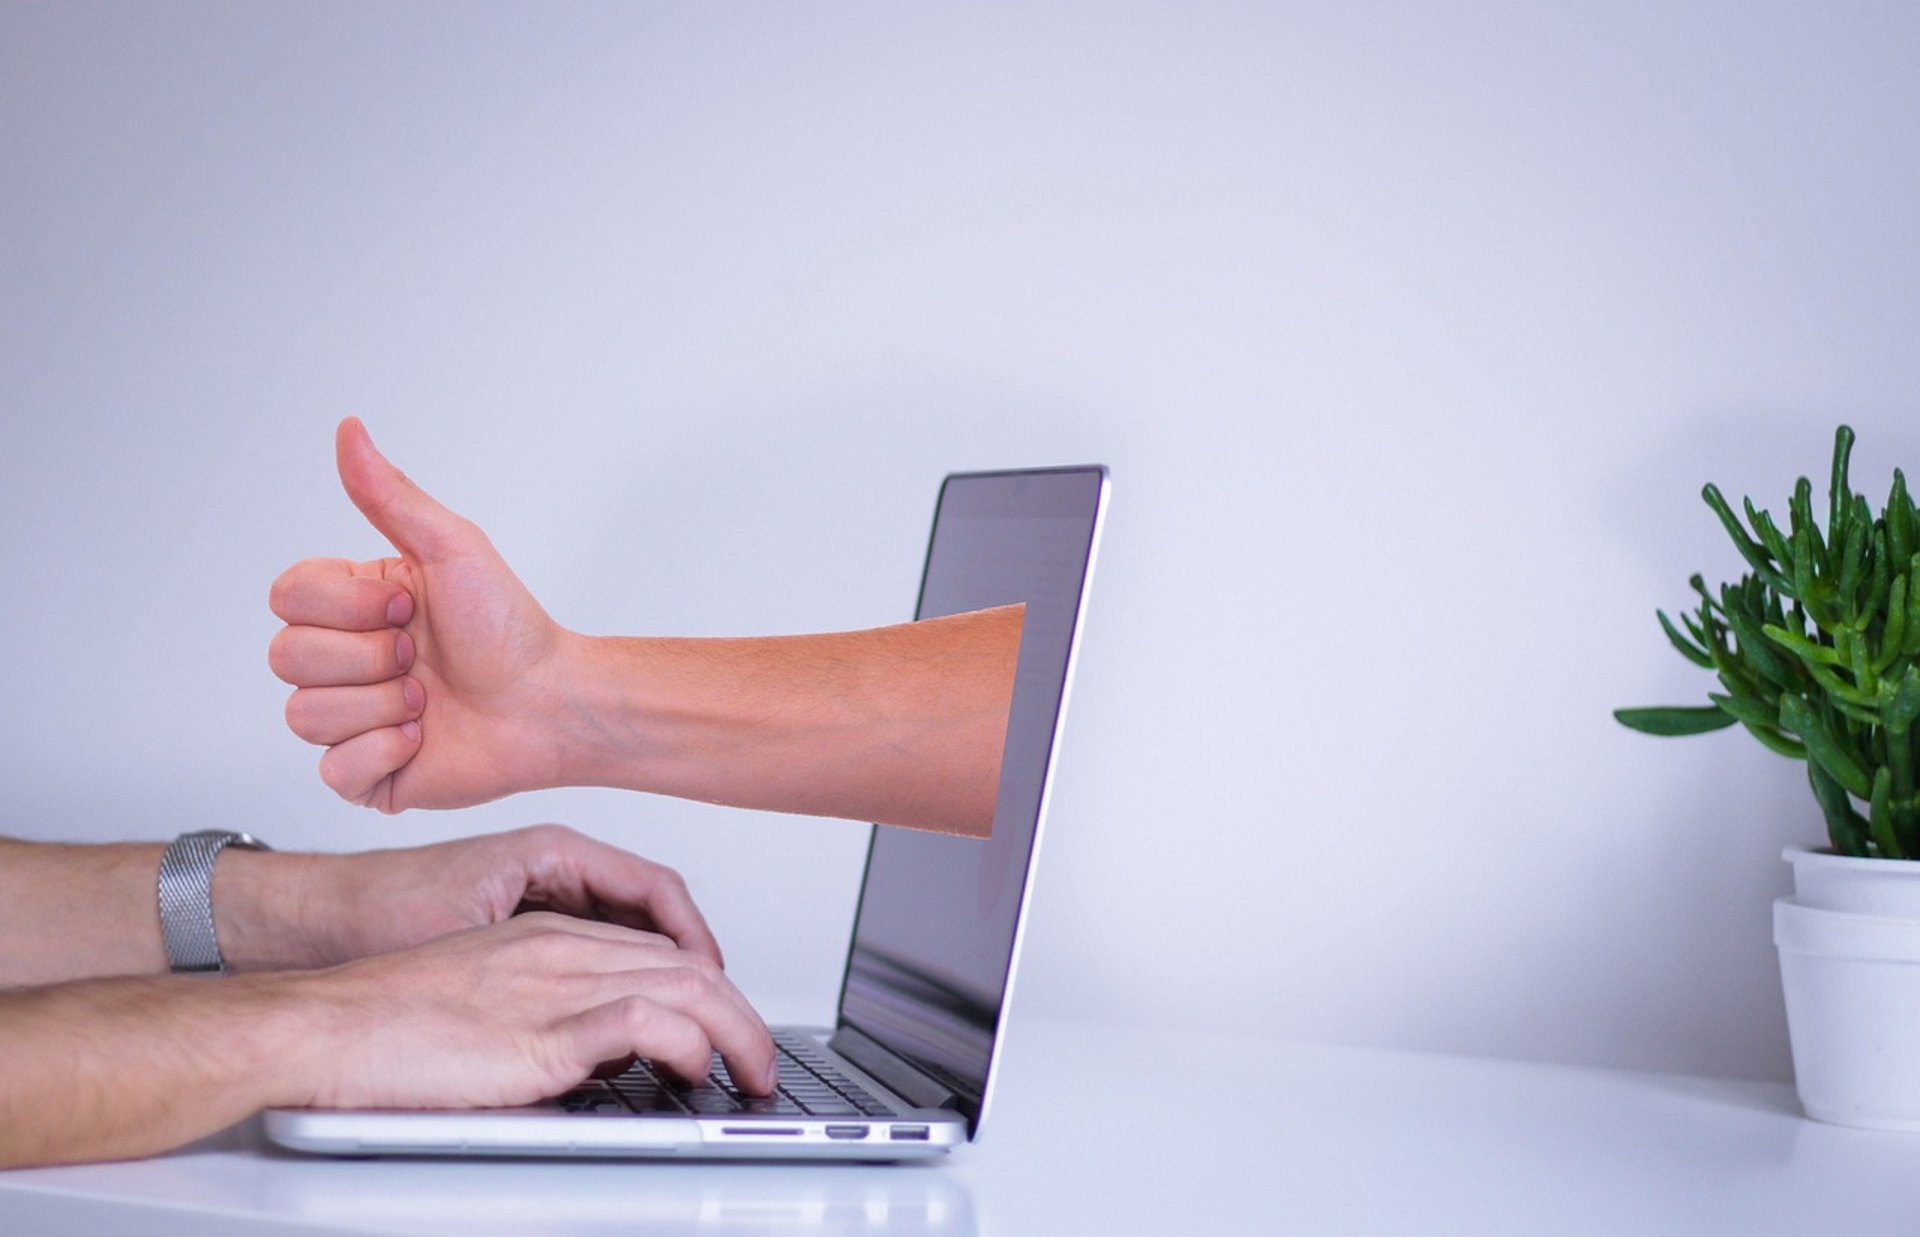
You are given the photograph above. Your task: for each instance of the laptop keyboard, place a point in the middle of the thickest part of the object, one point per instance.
(810, 1086)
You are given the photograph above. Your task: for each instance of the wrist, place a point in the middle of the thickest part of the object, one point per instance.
(265, 911)
(274, 1041)
(599, 712)
(301, 1029)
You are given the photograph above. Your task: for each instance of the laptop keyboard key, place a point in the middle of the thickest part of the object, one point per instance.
(810, 1085)
(591, 1098)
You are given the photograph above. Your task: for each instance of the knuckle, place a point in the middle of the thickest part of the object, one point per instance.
(543, 940)
(281, 592)
(281, 655)
(660, 1034)
(299, 714)
(688, 983)
(463, 527)
(291, 586)
(515, 927)
(642, 1026)
(547, 836)
(333, 775)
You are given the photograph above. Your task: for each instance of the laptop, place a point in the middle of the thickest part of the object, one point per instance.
(907, 1070)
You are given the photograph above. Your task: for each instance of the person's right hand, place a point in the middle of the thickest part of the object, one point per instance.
(433, 677)
(497, 1016)
(515, 1012)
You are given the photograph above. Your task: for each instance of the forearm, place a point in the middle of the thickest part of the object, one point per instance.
(81, 912)
(900, 725)
(118, 1068)
(72, 912)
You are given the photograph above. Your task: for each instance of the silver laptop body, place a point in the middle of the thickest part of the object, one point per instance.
(907, 1072)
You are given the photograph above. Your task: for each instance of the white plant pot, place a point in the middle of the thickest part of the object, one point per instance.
(1852, 984)
(1849, 943)
(1888, 888)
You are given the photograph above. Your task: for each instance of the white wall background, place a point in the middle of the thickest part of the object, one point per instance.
(1409, 330)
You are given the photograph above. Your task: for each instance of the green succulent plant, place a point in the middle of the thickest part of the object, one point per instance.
(1817, 649)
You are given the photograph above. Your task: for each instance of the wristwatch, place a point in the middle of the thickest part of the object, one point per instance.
(186, 898)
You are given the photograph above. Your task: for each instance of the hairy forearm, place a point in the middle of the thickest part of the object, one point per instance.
(70, 912)
(81, 912)
(900, 725)
(118, 1068)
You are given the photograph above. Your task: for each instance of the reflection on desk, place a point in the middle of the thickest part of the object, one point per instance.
(239, 1174)
(1115, 1130)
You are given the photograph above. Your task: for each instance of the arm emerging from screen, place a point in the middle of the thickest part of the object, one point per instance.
(435, 679)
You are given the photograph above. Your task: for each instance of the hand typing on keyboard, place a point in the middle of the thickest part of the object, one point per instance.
(809, 1085)
(335, 1000)
(518, 1011)
(357, 905)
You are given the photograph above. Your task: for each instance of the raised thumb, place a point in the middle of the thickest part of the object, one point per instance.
(407, 515)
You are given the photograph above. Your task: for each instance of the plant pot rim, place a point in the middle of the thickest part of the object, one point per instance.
(1825, 856)
(1818, 932)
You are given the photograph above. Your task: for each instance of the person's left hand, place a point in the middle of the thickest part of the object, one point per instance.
(277, 911)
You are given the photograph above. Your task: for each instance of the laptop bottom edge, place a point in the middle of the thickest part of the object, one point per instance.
(554, 1129)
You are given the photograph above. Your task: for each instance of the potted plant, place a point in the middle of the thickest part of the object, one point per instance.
(1817, 653)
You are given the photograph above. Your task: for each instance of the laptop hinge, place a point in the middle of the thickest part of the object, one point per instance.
(904, 1080)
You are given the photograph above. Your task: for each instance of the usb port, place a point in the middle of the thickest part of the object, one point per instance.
(909, 1133)
(846, 1131)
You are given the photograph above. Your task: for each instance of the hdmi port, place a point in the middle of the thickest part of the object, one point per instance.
(846, 1131)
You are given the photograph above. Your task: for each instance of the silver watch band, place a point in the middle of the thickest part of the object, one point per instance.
(186, 898)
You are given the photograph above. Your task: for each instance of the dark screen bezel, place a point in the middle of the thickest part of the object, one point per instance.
(968, 1104)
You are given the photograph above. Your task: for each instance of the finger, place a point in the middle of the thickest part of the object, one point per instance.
(329, 715)
(355, 769)
(703, 993)
(325, 592)
(727, 1023)
(323, 657)
(616, 948)
(418, 526)
(572, 870)
(635, 1026)
(562, 944)
(659, 898)
(617, 961)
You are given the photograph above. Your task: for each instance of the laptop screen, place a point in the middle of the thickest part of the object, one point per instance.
(937, 928)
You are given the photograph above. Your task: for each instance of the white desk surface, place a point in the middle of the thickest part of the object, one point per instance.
(1104, 1131)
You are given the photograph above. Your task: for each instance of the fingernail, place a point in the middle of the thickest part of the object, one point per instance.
(403, 649)
(413, 694)
(411, 730)
(399, 609)
(773, 1074)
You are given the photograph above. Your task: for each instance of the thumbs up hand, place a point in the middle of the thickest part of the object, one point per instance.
(431, 677)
